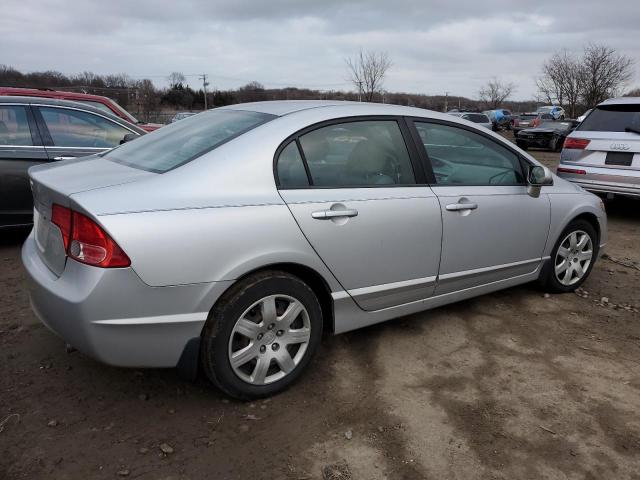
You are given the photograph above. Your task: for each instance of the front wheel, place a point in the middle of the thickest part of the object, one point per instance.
(572, 258)
(261, 335)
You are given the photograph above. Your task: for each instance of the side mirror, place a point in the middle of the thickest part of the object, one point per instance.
(128, 137)
(537, 177)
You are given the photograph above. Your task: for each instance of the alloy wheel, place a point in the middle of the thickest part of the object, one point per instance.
(574, 256)
(269, 339)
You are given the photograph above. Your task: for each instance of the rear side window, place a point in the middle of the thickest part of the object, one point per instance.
(291, 171)
(366, 153)
(461, 157)
(14, 127)
(75, 128)
(181, 142)
(612, 118)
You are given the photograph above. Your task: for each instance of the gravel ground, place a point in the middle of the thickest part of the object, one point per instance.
(513, 385)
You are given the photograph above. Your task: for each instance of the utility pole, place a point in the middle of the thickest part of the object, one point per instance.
(203, 77)
(446, 101)
(359, 91)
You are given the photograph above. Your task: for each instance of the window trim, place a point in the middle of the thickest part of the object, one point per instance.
(412, 152)
(429, 167)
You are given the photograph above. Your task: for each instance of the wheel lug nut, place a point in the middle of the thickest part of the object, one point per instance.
(263, 349)
(271, 325)
(275, 347)
(279, 333)
(260, 335)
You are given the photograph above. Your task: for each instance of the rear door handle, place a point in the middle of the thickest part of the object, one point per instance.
(329, 214)
(63, 158)
(457, 207)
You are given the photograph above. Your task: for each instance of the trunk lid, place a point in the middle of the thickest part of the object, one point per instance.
(56, 183)
(605, 148)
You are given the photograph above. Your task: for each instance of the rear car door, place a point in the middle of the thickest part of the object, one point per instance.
(358, 194)
(20, 148)
(492, 229)
(70, 133)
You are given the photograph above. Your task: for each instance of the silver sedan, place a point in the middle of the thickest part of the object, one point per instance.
(231, 240)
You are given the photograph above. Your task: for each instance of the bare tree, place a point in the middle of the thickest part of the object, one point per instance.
(633, 93)
(561, 81)
(175, 79)
(605, 73)
(495, 92)
(367, 71)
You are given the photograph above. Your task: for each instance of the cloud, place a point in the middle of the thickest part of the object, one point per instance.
(435, 46)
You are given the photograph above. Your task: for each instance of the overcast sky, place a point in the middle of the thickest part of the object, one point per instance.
(435, 46)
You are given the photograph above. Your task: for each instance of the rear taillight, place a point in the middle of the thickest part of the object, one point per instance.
(571, 170)
(576, 143)
(85, 241)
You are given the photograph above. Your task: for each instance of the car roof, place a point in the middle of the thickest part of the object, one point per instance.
(49, 93)
(8, 99)
(621, 101)
(285, 107)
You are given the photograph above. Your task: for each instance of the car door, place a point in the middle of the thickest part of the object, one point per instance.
(70, 133)
(20, 148)
(358, 194)
(492, 229)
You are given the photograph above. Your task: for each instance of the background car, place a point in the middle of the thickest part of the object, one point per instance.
(98, 101)
(42, 130)
(500, 119)
(235, 237)
(555, 111)
(182, 116)
(548, 135)
(479, 118)
(522, 121)
(603, 153)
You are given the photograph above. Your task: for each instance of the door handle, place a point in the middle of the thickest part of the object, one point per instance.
(457, 207)
(329, 214)
(63, 158)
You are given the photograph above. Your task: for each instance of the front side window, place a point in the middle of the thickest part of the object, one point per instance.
(366, 153)
(75, 128)
(462, 157)
(183, 141)
(14, 127)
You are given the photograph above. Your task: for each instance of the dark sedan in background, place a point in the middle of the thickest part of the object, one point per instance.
(39, 130)
(549, 135)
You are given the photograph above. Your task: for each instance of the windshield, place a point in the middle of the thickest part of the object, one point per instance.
(612, 118)
(184, 141)
(117, 106)
(545, 109)
(477, 117)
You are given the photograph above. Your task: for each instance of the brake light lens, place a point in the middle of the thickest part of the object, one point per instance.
(61, 217)
(576, 143)
(86, 242)
(571, 170)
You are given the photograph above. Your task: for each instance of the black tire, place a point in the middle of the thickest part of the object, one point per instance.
(509, 126)
(548, 280)
(214, 351)
(521, 145)
(553, 144)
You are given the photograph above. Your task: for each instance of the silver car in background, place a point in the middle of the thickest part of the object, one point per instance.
(479, 118)
(231, 240)
(603, 153)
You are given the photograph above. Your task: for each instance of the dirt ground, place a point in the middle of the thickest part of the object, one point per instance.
(513, 385)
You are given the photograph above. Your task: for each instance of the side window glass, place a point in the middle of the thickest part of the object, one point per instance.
(367, 153)
(14, 127)
(462, 157)
(291, 172)
(74, 128)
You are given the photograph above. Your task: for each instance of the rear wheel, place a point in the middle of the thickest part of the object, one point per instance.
(572, 258)
(261, 335)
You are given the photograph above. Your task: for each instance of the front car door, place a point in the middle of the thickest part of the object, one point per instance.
(492, 229)
(69, 132)
(359, 197)
(20, 148)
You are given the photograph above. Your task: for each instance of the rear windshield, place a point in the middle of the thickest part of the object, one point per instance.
(183, 141)
(528, 116)
(477, 117)
(612, 118)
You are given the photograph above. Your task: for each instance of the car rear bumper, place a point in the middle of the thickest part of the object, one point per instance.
(114, 317)
(595, 180)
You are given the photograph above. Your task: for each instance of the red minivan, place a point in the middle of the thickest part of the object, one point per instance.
(98, 101)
